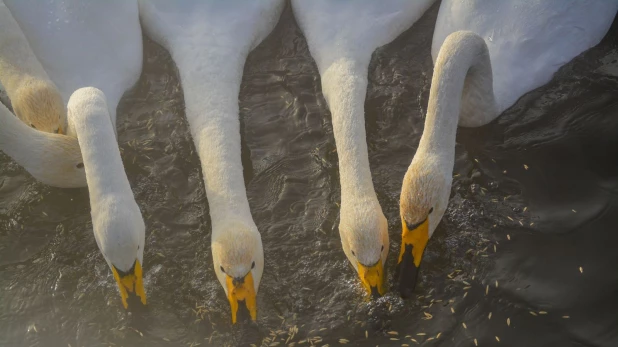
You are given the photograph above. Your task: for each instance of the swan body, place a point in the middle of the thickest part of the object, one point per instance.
(210, 41)
(528, 41)
(487, 54)
(342, 36)
(93, 52)
(34, 97)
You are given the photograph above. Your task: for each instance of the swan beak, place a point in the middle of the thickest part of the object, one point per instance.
(130, 282)
(372, 278)
(413, 244)
(241, 295)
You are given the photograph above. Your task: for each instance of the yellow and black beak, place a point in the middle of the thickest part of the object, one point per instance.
(241, 295)
(413, 242)
(372, 278)
(130, 283)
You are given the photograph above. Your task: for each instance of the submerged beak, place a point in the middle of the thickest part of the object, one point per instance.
(372, 278)
(130, 282)
(413, 242)
(241, 295)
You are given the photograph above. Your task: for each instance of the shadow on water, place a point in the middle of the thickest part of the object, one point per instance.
(524, 253)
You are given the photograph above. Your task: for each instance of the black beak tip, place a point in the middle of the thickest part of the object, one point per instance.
(134, 303)
(406, 275)
(375, 294)
(243, 315)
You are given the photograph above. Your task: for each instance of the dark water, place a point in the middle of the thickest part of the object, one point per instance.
(535, 198)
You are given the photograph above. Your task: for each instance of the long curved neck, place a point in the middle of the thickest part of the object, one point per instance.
(211, 84)
(88, 113)
(344, 84)
(18, 63)
(21, 142)
(462, 86)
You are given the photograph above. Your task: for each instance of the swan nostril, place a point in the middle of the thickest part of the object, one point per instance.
(79, 165)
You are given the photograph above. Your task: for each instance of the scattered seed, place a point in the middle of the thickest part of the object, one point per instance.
(466, 283)
(366, 334)
(393, 333)
(476, 342)
(531, 224)
(566, 317)
(428, 316)
(421, 334)
(487, 290)
(343, 341)
(497, 339)
(394, 339)
(521, 223)
(533, 313)
(525, 208)
(496, 283)
(508, 321)
(453, 310)
(581, 269)
(464, 325)
(438, 336)
(525, 166)
(542, 312)
(489, 316)
(495, 250)
(430, 338)
(466, 293)
(512, 220)
(413, 340)
(508, 237)
(574, 211)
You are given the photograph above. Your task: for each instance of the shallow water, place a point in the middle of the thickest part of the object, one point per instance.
(534, 200)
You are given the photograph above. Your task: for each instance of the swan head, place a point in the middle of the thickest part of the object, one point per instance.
(238, 258)
(120, 234)
(424, 198)
(39, 104)
(364, 236)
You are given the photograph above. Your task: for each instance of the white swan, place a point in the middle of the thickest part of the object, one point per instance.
(487, 54)
(35, 99)
(210, 41)
(95, 44)
(342, 35)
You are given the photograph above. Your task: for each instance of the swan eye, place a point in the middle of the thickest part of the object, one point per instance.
(430, 210)
(222, 269)
(354, 254)
(32, 125)
(382, 248)
(252, 265)
(79, 165)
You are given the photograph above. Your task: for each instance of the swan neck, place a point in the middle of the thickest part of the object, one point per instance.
(461, 89)
(19, 141)
(344, 84)
(89, 116)
(211, 84)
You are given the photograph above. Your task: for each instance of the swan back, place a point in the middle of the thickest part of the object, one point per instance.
(35, 99)
(528, 41)
(84, 43)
